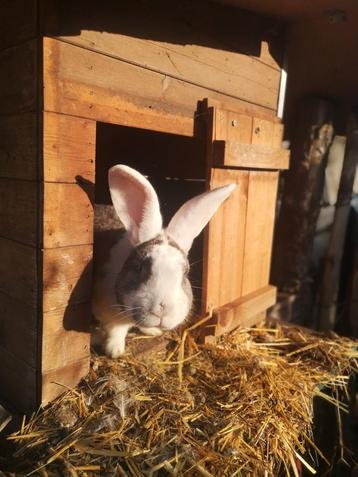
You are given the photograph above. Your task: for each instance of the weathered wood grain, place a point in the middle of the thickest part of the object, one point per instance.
(232, 126)
(67, 276)
(262, 132)
(68, 148)
(232, 32)
(232, 73)
(61, 343)
(127, 94)
(18, 146)
(234, 108)
(18, 210)
(18, 78)
(18, 271)
(234, 154)
(67, 217)
(277, 136)
(57, 381)
(224, 242)
(243, 311)
(260, 217)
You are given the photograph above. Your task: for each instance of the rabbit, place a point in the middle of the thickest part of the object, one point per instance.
(145, 283)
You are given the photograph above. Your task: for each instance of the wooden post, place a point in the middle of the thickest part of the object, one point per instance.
(301, 203)
(329, 286)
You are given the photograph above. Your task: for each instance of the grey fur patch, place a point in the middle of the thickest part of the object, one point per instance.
(137, 268)
(136, 271)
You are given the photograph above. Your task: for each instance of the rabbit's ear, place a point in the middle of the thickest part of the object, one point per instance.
(135, 202)
(192, 217)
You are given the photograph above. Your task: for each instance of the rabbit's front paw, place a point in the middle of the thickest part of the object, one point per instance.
(151, 331)
(115, 346)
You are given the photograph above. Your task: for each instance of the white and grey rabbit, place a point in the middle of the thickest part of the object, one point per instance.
(145, 280)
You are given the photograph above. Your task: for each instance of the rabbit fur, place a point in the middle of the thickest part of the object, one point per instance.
(144, 283)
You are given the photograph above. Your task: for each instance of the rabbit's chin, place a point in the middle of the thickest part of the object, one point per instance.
(165, 323)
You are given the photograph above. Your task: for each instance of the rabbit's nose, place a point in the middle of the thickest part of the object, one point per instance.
(158, 310)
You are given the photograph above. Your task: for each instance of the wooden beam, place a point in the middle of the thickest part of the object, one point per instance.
(235, 154)
(243, 311)
(196, 42)
(127, 94)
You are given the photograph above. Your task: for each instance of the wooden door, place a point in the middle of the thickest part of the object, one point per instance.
(245, 150)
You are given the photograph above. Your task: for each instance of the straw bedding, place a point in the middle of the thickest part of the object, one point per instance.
(241, 408)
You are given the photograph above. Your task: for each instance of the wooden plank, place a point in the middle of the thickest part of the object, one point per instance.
(18, 210)
(18, 146)
(262, 132)
(68, 215)
(18, 271)
(224, 242)
(18, 329)
(277, 136)
(212, 69)
(18, 388)
(234, 108)
(260, 218)
(18, 78)
(69, 148)
(243, 311)
(58, 381)
(231, 126)
(234, 154)
(214, 36)
(67, 276)
(64, 336)
(18, 22)
(127, 94)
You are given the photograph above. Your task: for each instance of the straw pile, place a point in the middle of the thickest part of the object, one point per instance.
(241, 408)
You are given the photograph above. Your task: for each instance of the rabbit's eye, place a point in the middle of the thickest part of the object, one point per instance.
(137, 266)
(143, 268)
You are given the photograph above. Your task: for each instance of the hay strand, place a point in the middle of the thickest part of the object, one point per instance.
(242, 407)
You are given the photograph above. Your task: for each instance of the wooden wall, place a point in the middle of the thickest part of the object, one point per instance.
(20, 203)
(159, 59)
(64, 66)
